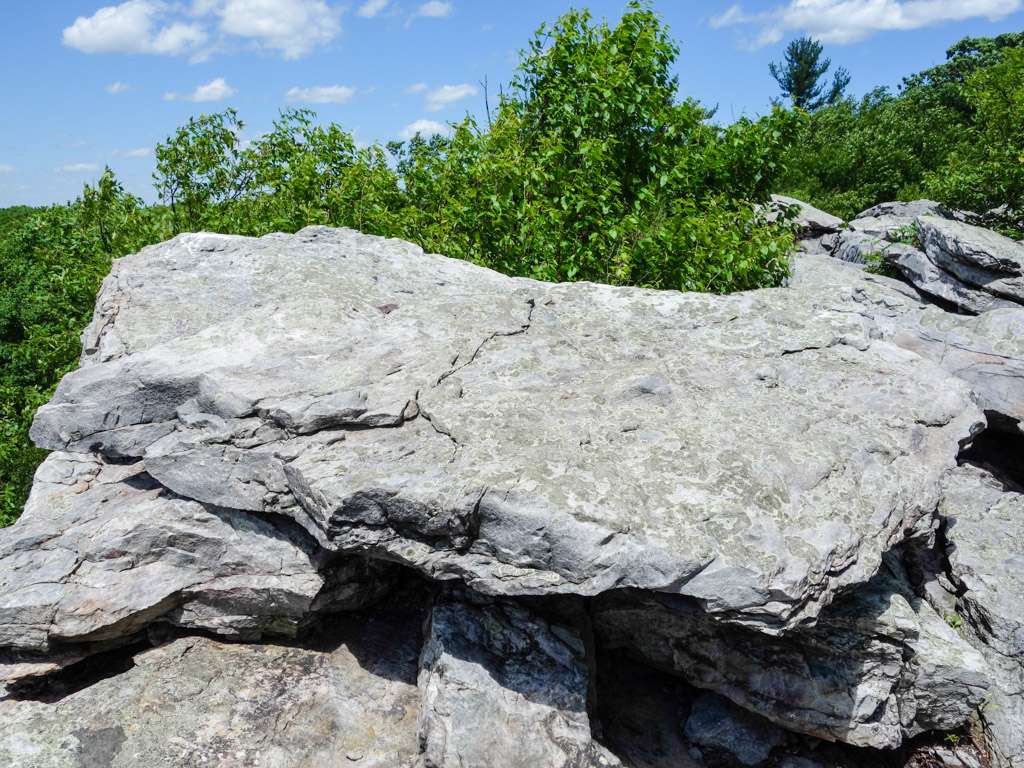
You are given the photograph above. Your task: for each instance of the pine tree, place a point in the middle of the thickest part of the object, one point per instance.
(800, 75)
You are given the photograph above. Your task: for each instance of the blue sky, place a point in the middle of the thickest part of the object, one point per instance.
(89, 83)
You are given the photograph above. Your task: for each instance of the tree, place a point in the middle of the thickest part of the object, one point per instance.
(799, 76)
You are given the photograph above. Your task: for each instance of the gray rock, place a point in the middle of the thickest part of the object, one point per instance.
(501, 687)
(986, 352)
(892, 228)
(918, 269)
(102, 551)
(977, 256)
(909, 211)
(350, 701)
(810, 221)
(879, 665)
(400, 404)
(985, 533)
(716, 724)
(860, 247)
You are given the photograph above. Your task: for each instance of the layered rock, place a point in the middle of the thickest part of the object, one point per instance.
(984, 535)
(878, 667)
(976, 256)
(102, 551)
(401, 405)
(350, 699)
(964, 266)
(262, 430)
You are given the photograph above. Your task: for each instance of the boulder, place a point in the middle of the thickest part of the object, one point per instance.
(976, 256)
(262, 430)
(503, 687)
(348, 699)
(809, 221)
(399, 404)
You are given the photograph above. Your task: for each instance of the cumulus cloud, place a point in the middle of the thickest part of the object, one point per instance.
(4, 168)
(435, 9)
(79, 168)
(849, 21)
(117, 87)
(439, 98)
(416, 88)
(371, 8)
(321, 94)
(215, 90)
(425, 128)
(292, 28)
(137, 152)
(136, 26)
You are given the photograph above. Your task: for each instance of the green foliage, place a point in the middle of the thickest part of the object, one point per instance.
(986, 169)
(800, 75)
(51, 264)
(12, 217)
(952, 133)
(590, 168)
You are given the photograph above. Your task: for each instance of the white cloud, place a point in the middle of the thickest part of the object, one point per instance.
(133, 27)
(6, 168)
(849, 21)
(424, 127)
(439, 98)
(371, 8)
(293, 27)
(79, 168)
(290, 27)
(138, 152)
(117, 87)
(435, 9)
(416, 88)
(322, 94)
(215, 90)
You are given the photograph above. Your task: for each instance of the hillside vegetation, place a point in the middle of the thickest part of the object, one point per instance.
(591, 166)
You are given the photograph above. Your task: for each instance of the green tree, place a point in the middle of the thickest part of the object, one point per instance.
(986, 170)
(800, 75)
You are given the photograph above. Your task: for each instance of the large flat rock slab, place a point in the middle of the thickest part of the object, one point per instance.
(756, 451)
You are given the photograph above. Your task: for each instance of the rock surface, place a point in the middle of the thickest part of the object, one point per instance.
(102, 551)
(351, 700)
(400, 404)
(497, 681)
(879, 666)
(716, 725)
(985, 534)
(262, 430)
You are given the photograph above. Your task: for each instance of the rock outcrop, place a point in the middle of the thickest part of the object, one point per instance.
(966, 267)
(269, 437)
